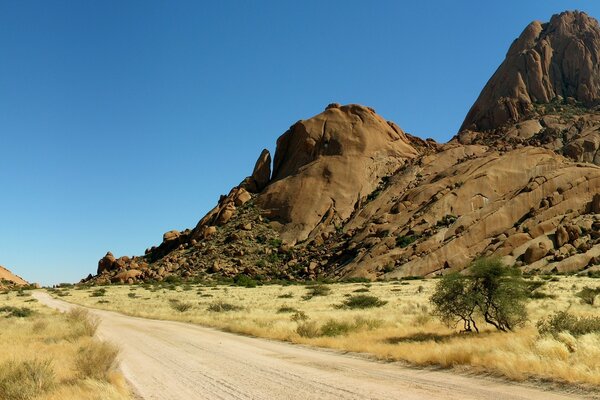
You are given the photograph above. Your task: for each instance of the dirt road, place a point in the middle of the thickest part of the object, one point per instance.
(170, 360)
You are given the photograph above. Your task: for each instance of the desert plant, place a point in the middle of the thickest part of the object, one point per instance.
(299, 316)
(96, 359)
(405, 241)
(308, 329)
(336, 328)
(19, 312)
(317, 290)
(490, 290)
(88, 323)
(588, 295)
(244, 280)
(362, 301)
(221, 306)
(563, 321)
(286, 309)
(180, 305)
(25, 380)
(286, 296)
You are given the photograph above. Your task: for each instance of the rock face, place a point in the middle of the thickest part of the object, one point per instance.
(352, 195)
(8, 279)
(260, 175)
(324, 166)
(558, 59)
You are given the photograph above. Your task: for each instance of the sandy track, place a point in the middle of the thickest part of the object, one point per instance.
(171, 360)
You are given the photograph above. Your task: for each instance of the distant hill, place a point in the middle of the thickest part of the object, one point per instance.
(8, 279)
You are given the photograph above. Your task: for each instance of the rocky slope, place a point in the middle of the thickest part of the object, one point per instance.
(10, 280)
(352, 195)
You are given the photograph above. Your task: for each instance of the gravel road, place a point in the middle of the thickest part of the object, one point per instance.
(166, 360)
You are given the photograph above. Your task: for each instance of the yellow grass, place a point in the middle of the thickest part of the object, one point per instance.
(395, 331)
(40, 353)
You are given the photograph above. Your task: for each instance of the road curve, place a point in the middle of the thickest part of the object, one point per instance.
(166, 360)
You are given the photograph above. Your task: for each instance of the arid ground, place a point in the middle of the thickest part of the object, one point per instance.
(400, 328)
(173, 360)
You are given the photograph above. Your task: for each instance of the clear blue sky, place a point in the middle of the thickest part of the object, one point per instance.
(120, 120)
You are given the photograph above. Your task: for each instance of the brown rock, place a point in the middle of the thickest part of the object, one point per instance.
(106, 263)
(340, 154)
(562, 236)
(536, 252)
(547, 61)
(209, 231)
(171, 236)
(595, 205)
(242, 197)
(226, 213)
(260, 175)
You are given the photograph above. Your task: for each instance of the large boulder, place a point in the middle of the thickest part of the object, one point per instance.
(260, 175)
(106, 263)
(325, 166)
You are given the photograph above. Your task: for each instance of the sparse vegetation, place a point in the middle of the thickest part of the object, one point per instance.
(563, 321)
(405, 241)
(26, 380)
(41, 358)
(401, 330)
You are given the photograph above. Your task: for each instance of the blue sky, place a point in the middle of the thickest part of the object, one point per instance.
(120, 120)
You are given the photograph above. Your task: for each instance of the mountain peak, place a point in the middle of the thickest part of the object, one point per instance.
(548, 61)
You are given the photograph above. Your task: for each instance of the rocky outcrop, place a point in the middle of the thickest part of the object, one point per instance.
(261, 174)
(325, 166)
(352, 195)
(549, 61)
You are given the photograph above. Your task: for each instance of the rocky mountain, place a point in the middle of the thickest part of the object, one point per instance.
(349, 194)
(9, 280)
(546, 92)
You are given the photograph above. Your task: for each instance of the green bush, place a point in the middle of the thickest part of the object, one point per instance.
(405, 241)
(362, 301)
(19, 312)
(336, 328)
(98, 292)
(244, 280)
(317, 290)
(562, 321)
(489, 290)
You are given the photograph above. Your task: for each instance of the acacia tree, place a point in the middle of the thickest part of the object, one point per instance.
(489, 289)
(452, 302)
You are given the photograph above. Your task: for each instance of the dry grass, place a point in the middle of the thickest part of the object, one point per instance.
(400, 329)
(42, 352)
